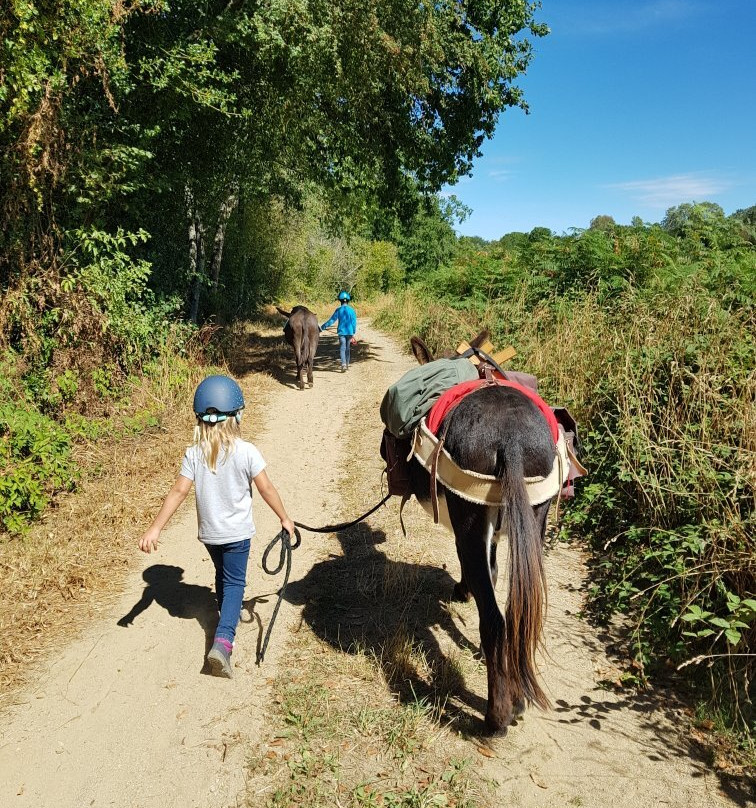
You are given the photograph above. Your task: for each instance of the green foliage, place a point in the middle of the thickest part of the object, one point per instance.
(742, 613)
(380, 269)
(35, 457)
(647, 336)
(428, 241)
(116, 284)
(603, 222)
(151, 117)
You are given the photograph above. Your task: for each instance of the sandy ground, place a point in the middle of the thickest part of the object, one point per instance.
(126, 716)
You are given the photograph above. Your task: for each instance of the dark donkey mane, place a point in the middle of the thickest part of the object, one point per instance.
(499, 431)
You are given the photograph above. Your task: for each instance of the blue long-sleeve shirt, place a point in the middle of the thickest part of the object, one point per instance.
(347, 318)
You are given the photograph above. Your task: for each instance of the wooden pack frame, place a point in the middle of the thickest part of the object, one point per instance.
(504, 355)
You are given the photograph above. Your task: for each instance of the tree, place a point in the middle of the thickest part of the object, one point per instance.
(371, 103)
(704, 225)
(165, 116)
(745, 221)
(428, 240)
(540, 234)
(746, 215)
(603, 222)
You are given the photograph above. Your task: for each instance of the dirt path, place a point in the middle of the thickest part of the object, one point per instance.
(125, 717)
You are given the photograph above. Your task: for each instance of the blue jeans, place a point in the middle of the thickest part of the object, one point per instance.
(345, 348)
(230, 561)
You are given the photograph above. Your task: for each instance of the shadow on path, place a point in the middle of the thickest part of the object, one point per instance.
(165, 588)
(363, 601)
(667, 742)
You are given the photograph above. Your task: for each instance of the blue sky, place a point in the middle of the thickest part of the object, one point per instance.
(635, 106)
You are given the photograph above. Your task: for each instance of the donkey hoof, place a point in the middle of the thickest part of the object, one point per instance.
(495, 728)
(460, 594)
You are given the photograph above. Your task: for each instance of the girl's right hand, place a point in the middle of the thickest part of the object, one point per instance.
(149, 541)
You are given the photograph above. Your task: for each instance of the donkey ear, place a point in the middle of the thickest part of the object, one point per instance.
(421, 351)
(283, 312)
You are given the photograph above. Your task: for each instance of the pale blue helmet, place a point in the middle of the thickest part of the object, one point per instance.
(343, 296)
(216, 398)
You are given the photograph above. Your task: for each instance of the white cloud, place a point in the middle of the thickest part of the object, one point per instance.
(500, 175)
(663, 192)
(606, 18)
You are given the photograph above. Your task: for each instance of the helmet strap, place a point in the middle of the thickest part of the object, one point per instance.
(220, 417)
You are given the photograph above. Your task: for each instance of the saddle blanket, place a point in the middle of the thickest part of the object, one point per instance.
(485, 489)
(454, 395)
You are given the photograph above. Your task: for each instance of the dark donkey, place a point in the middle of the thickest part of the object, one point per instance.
(302, 332)
(498, 431)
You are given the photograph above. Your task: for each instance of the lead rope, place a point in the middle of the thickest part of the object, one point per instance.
(285, 558)
(344, 525)
(286, 547)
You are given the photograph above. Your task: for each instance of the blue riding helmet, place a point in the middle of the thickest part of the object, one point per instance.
(216, 398)
(344, 296)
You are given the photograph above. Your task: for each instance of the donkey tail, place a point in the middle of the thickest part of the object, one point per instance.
(526, 601)
(304, 347)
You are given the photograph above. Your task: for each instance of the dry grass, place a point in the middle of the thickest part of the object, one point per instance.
(74, 562)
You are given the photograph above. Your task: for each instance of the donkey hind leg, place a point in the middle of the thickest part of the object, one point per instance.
(541, 514)
(493, 564)
(474, 531)
(461, 592)
(314, 340)
(307, 357)
(299, 362)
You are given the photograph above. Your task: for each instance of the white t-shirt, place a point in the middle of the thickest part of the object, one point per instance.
(224, 497)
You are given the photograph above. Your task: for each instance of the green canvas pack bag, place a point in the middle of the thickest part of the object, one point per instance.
(410, 398)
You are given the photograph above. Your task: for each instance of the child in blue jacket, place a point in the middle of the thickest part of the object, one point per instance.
(347, 328)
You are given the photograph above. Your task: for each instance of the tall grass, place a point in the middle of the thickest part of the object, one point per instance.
(662, 384)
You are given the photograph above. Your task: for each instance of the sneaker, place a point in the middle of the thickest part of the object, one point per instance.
(219, 659)
(343, 368)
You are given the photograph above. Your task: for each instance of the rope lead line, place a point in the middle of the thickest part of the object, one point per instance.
(285, 558)
(344, 525)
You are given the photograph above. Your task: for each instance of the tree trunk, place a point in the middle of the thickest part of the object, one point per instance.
(196, 254)
(226, 209)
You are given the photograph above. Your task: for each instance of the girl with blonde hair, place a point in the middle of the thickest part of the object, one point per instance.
(222, 467)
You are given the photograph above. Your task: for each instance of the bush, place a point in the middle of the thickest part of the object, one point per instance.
(661, 379)
(35, 457)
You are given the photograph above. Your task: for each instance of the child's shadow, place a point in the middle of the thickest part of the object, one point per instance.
(165, 588)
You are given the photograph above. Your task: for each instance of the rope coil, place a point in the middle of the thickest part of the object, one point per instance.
(285, 558)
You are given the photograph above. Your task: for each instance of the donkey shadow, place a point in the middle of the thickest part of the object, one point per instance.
(165, 588)
(363, 602)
